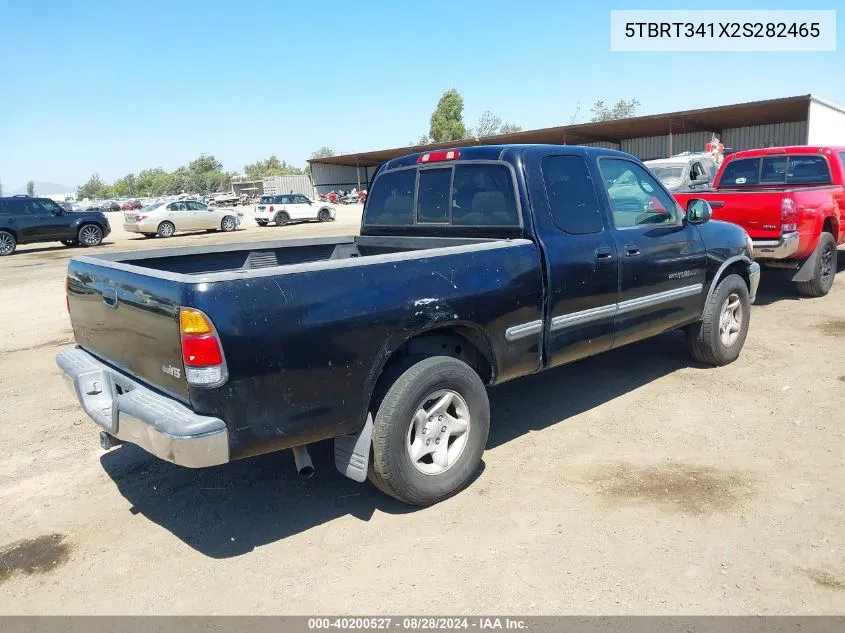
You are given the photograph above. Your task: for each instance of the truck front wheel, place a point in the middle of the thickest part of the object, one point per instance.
(718, 338)
(430, 431)
(822, 280)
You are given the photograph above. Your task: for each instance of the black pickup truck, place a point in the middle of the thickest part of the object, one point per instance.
(474, 266)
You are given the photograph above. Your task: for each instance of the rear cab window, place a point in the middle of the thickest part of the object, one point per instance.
(266, 200)
(458, 195)
(800, 169)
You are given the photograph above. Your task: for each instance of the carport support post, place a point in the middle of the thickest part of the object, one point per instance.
(670, 137)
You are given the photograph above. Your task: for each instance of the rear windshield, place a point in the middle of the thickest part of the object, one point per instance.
(471, 194)
(266, 200)
(776, 170)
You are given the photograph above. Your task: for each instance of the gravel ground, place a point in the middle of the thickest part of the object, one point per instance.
(632, 482)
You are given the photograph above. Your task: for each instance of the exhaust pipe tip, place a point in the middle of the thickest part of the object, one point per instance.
(304, 465)
(108, 441)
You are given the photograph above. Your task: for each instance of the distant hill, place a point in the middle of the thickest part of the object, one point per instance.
(44, 189)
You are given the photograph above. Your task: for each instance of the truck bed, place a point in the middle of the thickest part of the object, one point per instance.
(125, 306)
(225, 261)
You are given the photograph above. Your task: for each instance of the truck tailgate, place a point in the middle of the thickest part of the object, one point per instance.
(130, 321)
(758, 212)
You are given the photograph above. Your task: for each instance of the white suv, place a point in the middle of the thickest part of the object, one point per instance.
(292, 207)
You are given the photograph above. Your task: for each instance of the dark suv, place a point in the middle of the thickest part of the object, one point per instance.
(24, 220)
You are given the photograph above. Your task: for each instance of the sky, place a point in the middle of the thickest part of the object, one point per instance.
(113, 88)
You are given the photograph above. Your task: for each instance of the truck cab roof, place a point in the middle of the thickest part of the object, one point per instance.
(495, 152)
(788, 149)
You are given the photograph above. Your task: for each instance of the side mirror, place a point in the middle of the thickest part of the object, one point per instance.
(699, 211)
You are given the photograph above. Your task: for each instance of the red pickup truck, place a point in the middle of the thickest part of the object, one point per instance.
(791, 202)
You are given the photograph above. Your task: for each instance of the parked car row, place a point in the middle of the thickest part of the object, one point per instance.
(474, 266)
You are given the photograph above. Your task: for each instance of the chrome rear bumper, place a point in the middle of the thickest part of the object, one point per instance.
(131, 412)
(784, 248)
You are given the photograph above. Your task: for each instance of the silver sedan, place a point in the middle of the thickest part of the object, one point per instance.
(166, 218)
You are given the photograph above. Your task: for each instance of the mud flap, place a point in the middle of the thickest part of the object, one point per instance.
(352, 452)
(807, 269)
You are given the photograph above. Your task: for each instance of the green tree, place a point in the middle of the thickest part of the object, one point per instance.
(152, 182)
(30, 188)
(323, 152)
(623, 109)
(271, 166)
(510, 128)
(125, 187)
(488, 125)
(447, 120)
(94, 188)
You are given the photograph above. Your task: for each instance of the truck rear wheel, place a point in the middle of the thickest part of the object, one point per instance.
(822, 280)
(430, 431)
(718, 338)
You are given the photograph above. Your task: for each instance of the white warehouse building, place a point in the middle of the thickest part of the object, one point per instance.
(801, 120)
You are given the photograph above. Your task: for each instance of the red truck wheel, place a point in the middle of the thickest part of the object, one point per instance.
(825, 269)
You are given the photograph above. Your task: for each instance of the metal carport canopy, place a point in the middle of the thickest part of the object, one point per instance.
(714, 119)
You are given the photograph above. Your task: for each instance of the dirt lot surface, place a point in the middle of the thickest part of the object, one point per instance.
(633, 482)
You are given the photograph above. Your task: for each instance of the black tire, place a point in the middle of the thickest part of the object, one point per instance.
(228, 224)
(704, 338)
(281, 218)
(324, 215)
(392, 468)
(261, 222)
(166, 229)
(825, 270)
(90, 235)
(8, 243)
(69, 243)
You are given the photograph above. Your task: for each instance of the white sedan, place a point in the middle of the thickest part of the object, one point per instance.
(166, 218)
(292, 207)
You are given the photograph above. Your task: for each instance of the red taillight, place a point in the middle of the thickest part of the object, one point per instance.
(201, 350)
(788, 216)
(138, 218)
(437, 157)
(271, 208)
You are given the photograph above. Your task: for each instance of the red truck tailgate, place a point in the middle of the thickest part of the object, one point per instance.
(758, 212)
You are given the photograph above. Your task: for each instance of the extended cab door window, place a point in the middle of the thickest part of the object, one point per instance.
(572, 195)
